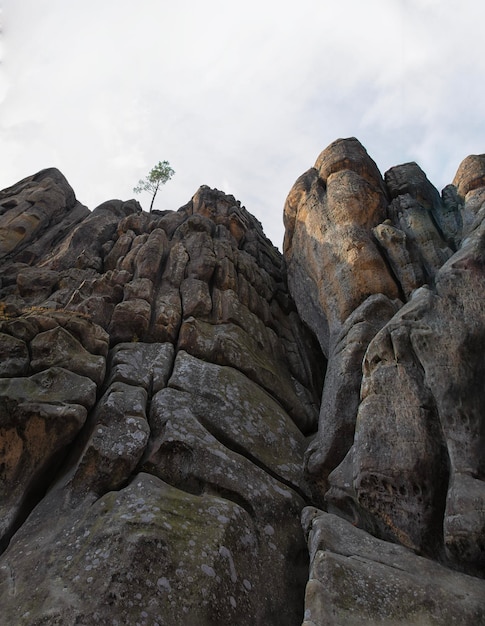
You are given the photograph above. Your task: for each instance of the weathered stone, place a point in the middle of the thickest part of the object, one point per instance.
(127, 262)
(453, 216)
(151, 256)
(357, 579)
(139, 289)
(161, 555)
(341, 393)
(39, 418)
(173, 486)
(94, 338)
(333, 262)
(196, 298)
(14, 357)
(464, 522)
(403, 262)
(227, 308)
(421, 234)
(468, 185)
(130, 320)
(36, 282)
(177, 260)
(196, 233)
(57, 347)
(228, 344)
(34, 438)
(146, 365)
(242, 415)
(35, 204)
(399, 465)
(420, 420)
(83, 247)
(52, 386)
(225, 276)
(96, 297)
(431, 224)
(137, 221)
(24, 328)
(118, 251)
(470, 174)
(204, 459)
(168, 314)
(409, 179)
(119, 436)
(223, 440)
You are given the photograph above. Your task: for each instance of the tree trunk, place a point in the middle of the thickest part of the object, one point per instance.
(153, 198)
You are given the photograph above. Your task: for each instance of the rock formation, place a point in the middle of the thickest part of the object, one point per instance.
(197, 430)
(389, 276)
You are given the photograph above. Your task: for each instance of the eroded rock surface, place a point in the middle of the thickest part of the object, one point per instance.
(399, 450)
(358, 579)
(158, 389)
(176, 397)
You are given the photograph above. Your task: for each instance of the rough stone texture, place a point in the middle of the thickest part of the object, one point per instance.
(157, 390)
(399, 450)
(165, 425)
(341, 393)
(358, 579)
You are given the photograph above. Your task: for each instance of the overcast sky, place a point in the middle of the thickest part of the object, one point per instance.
(241, 96)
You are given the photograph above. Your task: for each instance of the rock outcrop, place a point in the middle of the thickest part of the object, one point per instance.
(399, 450)
(177, 399)
(157, 391)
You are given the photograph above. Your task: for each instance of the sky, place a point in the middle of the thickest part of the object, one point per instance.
(240, 96)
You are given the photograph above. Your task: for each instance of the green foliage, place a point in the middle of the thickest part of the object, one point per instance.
(159, 175)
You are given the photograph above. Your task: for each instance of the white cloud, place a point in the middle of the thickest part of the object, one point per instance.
(248, 93)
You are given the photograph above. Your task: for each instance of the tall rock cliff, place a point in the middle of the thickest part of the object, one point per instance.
(197, 430)
(390, 277)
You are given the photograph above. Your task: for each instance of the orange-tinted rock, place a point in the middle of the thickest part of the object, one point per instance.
(333, 261)
(470, 174)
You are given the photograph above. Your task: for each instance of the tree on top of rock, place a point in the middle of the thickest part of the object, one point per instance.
(159, 175)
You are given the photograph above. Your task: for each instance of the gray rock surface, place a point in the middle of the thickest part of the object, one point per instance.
(358, 579)
(176, 397)
(157, 392)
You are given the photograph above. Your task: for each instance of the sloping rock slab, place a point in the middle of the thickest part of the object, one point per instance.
(357, 579)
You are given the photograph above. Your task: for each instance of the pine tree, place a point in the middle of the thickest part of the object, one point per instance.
(159, 175)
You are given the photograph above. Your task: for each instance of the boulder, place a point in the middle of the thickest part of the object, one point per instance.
(358, 579)
(14, 357)
(58, 348)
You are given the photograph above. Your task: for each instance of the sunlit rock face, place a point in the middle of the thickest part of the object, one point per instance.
(197, 430)
(157, 390)
(392, 282)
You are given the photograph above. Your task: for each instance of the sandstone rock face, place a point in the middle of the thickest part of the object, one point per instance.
(358, 579)
(34, 214)
(157, 390)
(177, 399)
(399, 450)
